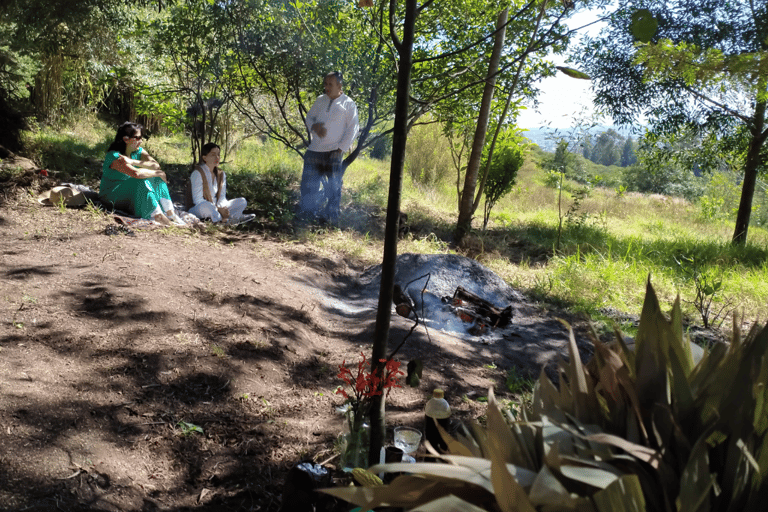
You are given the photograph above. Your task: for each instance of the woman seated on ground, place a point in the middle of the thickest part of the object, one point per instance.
(132, 180)
(209, 190)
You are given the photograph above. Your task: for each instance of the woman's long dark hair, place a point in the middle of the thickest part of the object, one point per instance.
(127, 129)
(207, 149)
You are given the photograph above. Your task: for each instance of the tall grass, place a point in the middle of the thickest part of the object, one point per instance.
(604, 257)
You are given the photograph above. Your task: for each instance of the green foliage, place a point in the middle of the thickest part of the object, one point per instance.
(552, 178)
(681, 82)
(427, 155)
(271, 194)
(192, 43)
(650, 176)
(75, 154)
(644, 25)
(720, 197)
(186, 429)
(662, 427)
(708, 282)
(711, 207)
(381, 147)
(562, 160)
(508, 157)
(517, 383)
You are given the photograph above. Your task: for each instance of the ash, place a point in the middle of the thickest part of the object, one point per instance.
(442, 274)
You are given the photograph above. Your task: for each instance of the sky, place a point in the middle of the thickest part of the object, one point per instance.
(562, 98)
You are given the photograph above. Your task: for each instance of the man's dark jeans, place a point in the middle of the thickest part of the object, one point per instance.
(321, 183)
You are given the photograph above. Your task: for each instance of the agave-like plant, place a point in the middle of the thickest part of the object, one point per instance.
(649, 429)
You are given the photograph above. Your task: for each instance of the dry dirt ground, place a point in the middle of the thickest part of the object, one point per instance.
(113, 347)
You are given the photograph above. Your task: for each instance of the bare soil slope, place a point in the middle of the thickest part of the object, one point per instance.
(113, 347)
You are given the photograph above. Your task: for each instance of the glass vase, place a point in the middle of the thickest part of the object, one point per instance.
(354, 445)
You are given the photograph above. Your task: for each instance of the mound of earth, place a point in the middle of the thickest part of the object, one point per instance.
(190, 370)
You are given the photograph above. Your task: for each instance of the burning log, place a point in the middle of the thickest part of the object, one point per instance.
(473, 308)
(404, 305)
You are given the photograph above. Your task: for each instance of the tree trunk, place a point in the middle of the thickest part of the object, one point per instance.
(384, 312)
(464, 223)
(751, 167)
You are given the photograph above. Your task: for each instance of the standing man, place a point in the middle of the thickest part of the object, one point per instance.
(333, 125)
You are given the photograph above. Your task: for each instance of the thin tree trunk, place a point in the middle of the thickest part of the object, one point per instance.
(751, 167)
(503, 117)
(384, 312)
(464, 223)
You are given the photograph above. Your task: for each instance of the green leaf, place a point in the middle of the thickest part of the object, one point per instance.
(547, 490)
(696, 480)
(574, 73)
(595, 477)
(624, 494)
(448, 504)
(644, 25)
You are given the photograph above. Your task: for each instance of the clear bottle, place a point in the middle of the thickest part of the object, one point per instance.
(437, 409)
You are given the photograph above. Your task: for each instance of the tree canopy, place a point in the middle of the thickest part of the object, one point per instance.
(702, 70)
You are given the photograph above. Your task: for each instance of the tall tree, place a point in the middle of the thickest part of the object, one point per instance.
(71, 47)
(628, 156)
(606, 150)
(701, 72)
(285, 48)
(191, 45)
(403, 45)
(466, 204)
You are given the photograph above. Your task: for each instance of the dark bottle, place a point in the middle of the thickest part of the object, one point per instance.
(437, 409)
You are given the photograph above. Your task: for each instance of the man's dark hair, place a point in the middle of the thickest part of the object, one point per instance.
(338, 76)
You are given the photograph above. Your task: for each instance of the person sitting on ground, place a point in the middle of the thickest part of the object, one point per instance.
(132, 180)
(208, 186)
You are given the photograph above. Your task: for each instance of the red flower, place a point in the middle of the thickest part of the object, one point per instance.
(367, 383)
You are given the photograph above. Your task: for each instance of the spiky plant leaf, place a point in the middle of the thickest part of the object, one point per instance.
(510, 495)
(483, 466)
(739, 468)
(696, 481)
(625, 494)
(439, 471)
(454, 446)
(546, 399)
(694, 437)
(410, 491)
(653, 333)
(580, 388)
(503, 442)
(594, 477)
(548, 491)
(448, 504)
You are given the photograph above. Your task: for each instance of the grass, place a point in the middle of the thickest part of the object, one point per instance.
(605, 255)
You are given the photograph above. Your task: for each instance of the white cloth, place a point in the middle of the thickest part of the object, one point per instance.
(206, 210)
(340, 119)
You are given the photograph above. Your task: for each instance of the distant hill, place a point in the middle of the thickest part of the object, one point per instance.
(547, 138)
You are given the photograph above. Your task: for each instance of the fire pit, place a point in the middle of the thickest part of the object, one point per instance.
(450, 293)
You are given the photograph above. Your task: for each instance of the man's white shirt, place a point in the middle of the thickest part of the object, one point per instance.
(339, 117)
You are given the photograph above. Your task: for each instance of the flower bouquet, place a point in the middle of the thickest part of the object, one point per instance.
(363, 386)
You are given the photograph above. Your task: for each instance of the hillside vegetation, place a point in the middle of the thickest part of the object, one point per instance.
(585, 248)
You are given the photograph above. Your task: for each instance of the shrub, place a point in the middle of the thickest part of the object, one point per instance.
(428, 155)
(651, 429)
(271, 194)
(507, 159)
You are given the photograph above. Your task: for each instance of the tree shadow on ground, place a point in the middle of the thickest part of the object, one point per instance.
(140, 397)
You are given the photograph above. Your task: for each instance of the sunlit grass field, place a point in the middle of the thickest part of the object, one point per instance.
(599, 259)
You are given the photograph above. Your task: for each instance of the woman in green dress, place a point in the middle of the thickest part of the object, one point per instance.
(132, 180)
